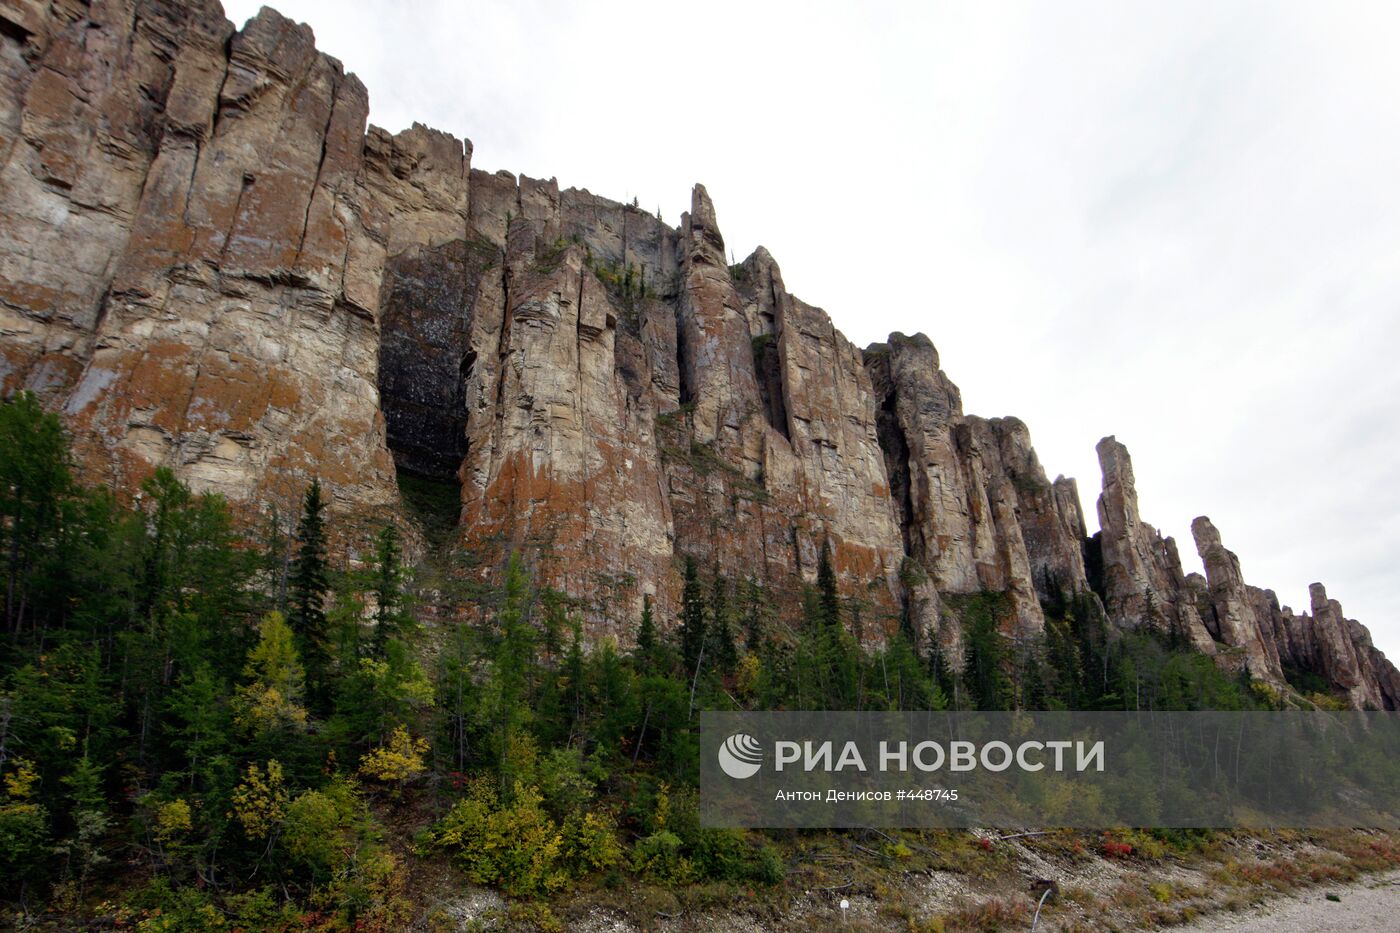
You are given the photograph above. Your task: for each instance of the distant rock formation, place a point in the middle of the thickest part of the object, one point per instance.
(208, 263)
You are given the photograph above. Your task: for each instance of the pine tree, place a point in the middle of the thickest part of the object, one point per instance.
(754, 608)
(986, 657)
(388, 587)
(199, 730)
(556, 620)
(692, 620)
(34, 478)
(575, 679)
(309, 584)
(828, 595)
(510, 669)
(644, 657)
(1035, 694)
(720, 627)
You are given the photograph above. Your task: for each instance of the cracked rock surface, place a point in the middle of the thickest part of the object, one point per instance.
(208, 262)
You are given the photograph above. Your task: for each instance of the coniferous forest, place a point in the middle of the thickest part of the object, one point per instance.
(211, 722)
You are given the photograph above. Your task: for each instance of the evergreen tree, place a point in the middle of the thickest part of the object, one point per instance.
(575, 681)
(827, 660)
(755, 611)
(692, 621)
(309, 584)
(509, 702)
(390, 615)
(82, 849)
(721, 627)
(828, 595)
(277, 556)
(613, 696)
(899, 681)
(644, 656)
(556, 620)
(142, 711)
(941, 673)
(1065, 667)
(34, 479)
(1034, 690)
(985, 669)
(457, 695)
(199, 727)
(188, 596)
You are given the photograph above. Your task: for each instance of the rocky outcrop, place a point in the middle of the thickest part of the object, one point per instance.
(209, 263)
(1275, 642)
(1326, 643)
(1143, 584)
(200, 234)
(977, 510)
(1238, 618)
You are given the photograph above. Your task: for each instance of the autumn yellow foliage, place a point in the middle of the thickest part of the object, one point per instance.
(260, 801)
(398, 762)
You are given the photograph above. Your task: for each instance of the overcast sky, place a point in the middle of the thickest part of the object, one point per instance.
(1174, 222)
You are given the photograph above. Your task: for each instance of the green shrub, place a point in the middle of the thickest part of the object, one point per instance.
(658, 858)
(517, 848)
(262, 909)
(24, 834)
(316, 829)
(590, 843)
(175, 910)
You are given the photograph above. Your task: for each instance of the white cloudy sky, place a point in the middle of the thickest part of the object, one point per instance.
(1174, 222)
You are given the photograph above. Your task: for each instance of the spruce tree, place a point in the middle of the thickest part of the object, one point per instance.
(828, 596)
(755, 611)
(1065, 664)
(987, 680)
(34, 478)
(511, 668)
(1034, 691)
(388, 588)
(720, 627)
(555, 621)
(644, 657)
(692, 619)
(309, 584)
(575, 679)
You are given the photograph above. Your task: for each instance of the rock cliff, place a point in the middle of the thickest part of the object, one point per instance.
(208, 263)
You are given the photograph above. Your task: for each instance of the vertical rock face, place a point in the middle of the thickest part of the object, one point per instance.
(1049, 516)
(1341, 651)
(560, 446)
(427, 353)
(208, 263)
(1143, 584)
(1238, 619)
(1275, 641)
(199, 239)
(977, 510)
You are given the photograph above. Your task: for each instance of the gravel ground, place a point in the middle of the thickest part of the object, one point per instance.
(1372, 904)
